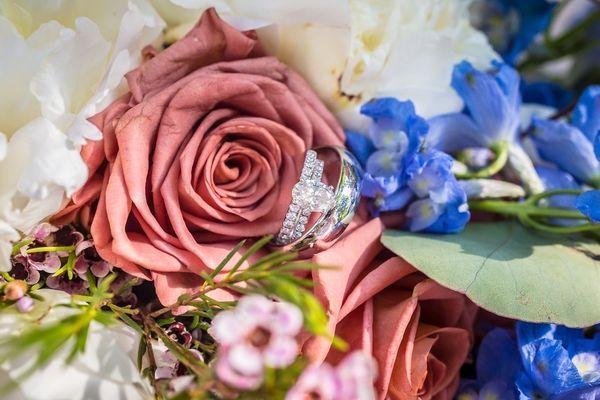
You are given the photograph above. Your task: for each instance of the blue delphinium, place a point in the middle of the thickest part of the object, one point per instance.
(543, 361)
(575, 148)
(492, 105)
(512, 25)
(398, 171)
(589, 202)
(545, 93)
(570, 145)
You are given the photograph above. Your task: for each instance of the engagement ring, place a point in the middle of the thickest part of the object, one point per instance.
(311, 195)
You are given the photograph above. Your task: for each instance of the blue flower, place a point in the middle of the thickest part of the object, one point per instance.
(545, 361)
(545, 93)
(398, 170)
(589, 204)
(556, 179)
(586, 115)
(396, 133)
(492, 102)
(567, 147)
(571, 146)
(512, 25)
(556, 360)
(498, 365)
(443, 205)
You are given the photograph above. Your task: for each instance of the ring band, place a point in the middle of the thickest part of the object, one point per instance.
(337, 206)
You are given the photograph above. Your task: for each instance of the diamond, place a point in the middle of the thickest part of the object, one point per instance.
(315, 196)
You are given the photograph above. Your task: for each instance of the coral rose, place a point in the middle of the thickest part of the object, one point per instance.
(419, 332)
(202, 152)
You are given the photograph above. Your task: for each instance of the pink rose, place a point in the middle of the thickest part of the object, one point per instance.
(418, 331)
(201, 153)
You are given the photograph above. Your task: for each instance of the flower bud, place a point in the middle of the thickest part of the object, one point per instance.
(16, 289)
(24, 304)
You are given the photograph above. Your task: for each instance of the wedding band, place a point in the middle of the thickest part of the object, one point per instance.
(336, 206)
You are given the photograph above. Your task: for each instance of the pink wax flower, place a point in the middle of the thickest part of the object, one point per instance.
(258, 333)
(352, 379)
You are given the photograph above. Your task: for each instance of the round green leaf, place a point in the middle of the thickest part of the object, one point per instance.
(511, 271)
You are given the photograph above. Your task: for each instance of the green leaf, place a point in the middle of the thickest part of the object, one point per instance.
(511, 271)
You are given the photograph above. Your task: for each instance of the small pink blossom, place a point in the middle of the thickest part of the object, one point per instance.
(316, 382)
(258, 333)
(41, 231)
(352, 379)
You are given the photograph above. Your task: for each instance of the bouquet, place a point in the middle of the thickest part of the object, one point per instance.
(335, 200)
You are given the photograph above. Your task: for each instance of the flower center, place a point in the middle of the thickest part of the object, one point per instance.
(260, 337)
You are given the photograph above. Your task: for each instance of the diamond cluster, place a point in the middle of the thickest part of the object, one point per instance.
(308, 195)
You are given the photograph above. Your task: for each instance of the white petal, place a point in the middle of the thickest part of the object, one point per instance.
(62, 85)
(3, 146)
(404, 48)
(7, 236)
(106, 370)
(51, 161)
(490, 189)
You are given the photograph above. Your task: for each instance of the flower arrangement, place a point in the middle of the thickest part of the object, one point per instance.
(343, 200)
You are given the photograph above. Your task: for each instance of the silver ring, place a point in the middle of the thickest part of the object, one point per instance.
(336, 206)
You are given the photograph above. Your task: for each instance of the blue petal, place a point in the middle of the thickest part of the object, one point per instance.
(590, 392)
(389, 109)
(498, 390)
(589, 204)
(385, 135)
(586, 115)
(493, 101)
(453, 132)
(428, 172)
(528, 332)
(534, 17)
(374, 187)
(548, 365)
(422, 214)
(509, 81)
(498, 357)
(527, 389)
(554, 179)
(360, 145)
(567, 147)
(456, 212)
(397, 200)
(597, 146)
(545, 93)
(384, 163)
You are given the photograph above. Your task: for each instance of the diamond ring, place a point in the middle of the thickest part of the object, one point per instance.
(310, 195)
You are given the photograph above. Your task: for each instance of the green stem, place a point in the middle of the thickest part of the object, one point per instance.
(528, 221)
(517, 209)
(18, 246)
(50, 249)
(500, 150)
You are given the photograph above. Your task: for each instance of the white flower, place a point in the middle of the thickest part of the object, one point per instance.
(107, 369)
(353, 50)
(404, 48)
(62, 62)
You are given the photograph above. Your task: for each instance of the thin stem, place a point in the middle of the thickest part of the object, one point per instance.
(528, 221)
(181, 302)
(50, 249)
(152, 362)
(517, 209)
(18, 246)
